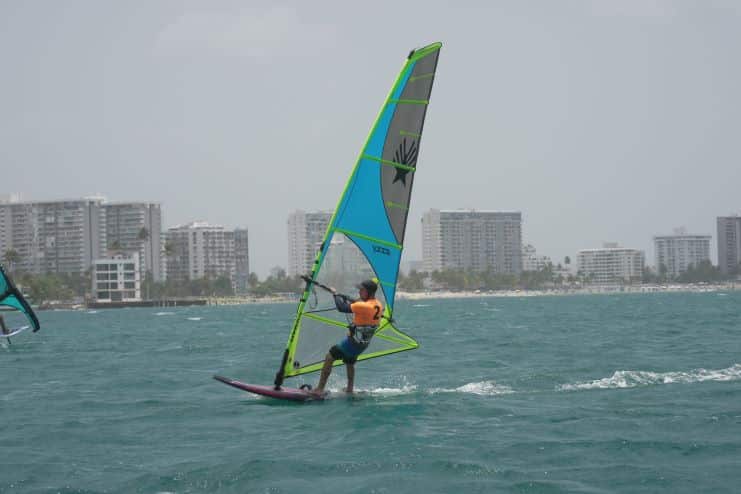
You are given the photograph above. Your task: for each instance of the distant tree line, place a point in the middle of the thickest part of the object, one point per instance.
(702, 272)
(42, 289)
(546, 277)
(221, 286)
(467, 279)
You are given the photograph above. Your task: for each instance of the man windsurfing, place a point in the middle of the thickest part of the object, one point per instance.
(367, 312)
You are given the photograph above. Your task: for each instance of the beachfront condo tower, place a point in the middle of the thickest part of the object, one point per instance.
(472, 240)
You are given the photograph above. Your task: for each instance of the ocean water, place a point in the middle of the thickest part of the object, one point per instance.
(598, 394)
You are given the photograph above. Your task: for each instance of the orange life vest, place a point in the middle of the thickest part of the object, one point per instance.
(367, 312)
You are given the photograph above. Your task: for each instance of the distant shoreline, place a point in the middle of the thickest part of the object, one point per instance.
(555, 292)
(437, 294)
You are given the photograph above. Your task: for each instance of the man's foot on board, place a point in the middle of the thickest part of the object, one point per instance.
(348, 391)
(317, 392)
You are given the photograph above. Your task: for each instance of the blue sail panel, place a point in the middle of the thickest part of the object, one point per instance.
(363, 211)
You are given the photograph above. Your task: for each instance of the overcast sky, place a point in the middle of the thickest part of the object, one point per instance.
(599, 120)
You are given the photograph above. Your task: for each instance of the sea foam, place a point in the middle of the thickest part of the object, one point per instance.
(483, 388)
(632, 379)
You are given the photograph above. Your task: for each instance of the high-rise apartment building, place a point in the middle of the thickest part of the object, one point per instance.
(63, 236)
(136, 227)
(305, 234)
(729, 244)
(611, 264)
(241, 260)
(678, 251)
(470, 239)
(200, 250)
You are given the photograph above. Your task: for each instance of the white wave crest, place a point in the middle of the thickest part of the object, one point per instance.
(380, 391)
(483, 388)
(164, 313)
(195, 318)
(406, 389)
(632, 379)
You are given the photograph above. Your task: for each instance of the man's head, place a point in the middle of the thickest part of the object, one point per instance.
(367, 289)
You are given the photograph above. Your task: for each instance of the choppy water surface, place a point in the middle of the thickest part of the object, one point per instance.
(620, 393)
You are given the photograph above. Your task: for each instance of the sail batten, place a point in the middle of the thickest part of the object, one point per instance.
(391, 163)
(325, 320)
(409, 101)
(365, 236)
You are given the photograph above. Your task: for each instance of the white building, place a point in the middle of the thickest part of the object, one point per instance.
(117, 278)
(678, 251)
(305, 234)
(611, 264)
(136, 227)
(200, 250)
(471, 239)
(531, 261)
(63, 236)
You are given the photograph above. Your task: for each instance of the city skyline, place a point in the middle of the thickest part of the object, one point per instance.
(593, 141)
(317, 218)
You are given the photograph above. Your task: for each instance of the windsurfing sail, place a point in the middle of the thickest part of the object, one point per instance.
(10, 296)
(365, 236)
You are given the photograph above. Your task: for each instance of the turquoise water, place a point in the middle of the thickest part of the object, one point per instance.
(619, 393)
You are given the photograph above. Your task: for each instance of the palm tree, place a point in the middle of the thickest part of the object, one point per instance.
(169, 249)
(146, 264)
(253, 281)
(663, 273)
(11, 258)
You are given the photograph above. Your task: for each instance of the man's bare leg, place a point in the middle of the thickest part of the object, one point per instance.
(326, 371)
(4, 328)
(350, 377)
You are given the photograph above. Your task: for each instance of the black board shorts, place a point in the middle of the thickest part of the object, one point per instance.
(337, 354)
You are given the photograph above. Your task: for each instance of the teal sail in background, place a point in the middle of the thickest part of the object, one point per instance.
(365, 236)
(10, 296)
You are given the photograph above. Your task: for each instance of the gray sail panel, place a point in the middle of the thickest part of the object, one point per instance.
(419, 85)
(402, 143)
(316, 338)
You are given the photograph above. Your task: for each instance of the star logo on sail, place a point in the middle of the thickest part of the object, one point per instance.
(405, 155)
